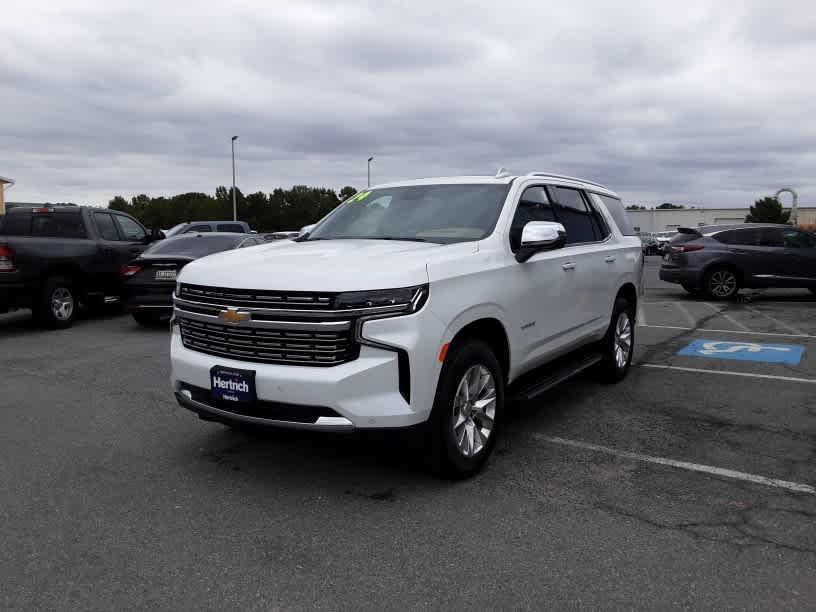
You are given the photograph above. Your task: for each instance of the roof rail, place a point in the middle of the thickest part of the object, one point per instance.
(568, 178)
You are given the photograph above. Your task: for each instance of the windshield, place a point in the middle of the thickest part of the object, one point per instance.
(429, 213)
(174, 230)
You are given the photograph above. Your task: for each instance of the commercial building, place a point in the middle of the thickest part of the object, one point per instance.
(4, 183)
(660, 220)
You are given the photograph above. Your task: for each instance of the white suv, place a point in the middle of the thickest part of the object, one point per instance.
(426, 302)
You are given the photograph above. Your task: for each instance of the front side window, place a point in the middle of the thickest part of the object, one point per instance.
(428, 213)
(132, 231)
(572, 212)
(534, 205)
(105, 226)
(794, 239)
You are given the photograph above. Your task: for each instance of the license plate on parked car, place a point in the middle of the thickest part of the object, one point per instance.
(165, 275)
(231, 385)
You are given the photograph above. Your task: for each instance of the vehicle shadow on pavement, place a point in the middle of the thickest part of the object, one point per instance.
(364, 464)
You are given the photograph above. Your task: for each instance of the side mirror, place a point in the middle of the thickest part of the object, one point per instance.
(306, 229)
(540, 236)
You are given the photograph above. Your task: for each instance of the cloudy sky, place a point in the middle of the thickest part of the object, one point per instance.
(701, 102)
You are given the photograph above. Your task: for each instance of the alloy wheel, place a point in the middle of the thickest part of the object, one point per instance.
(474, 410)
(623, 339)
(722, 283)
(62, 304)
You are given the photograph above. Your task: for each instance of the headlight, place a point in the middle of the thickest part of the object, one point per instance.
(402, 300)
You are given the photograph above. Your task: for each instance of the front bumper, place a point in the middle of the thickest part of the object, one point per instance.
(673, 274)
(363, 393)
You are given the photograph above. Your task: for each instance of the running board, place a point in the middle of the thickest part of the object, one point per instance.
(551, 375)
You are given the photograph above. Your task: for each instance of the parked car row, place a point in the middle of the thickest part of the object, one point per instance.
(57, 259)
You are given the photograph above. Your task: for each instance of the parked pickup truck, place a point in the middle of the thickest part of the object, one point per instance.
(52, 259)
(423, 304)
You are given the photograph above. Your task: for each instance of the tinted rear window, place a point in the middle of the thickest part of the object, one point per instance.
(18, 224)
(683, 237)
(230, 227)
(193, 246)
(60, 224)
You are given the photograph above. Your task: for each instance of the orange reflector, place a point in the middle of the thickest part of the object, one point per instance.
(444, 352)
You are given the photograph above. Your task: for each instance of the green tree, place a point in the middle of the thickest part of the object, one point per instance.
(635, 207)
(767, 210)
(346, 192)
(118, 203)
(670, 206)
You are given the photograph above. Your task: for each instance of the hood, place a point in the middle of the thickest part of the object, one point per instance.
(330, 265)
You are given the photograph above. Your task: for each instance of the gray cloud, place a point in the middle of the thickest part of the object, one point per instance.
(701, 102)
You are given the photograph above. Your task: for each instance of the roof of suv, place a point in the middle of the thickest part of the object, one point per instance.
(713, 229)
(501, 179)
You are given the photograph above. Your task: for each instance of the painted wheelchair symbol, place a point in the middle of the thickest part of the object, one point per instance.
(713, 348)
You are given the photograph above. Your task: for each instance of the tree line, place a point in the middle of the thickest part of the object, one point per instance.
(280, 210)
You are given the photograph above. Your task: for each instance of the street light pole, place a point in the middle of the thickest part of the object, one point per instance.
(369, 170)
(234, 207)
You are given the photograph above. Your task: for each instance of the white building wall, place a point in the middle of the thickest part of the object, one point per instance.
(663, 220)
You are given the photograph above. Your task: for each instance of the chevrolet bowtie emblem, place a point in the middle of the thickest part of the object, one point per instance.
(233, 315)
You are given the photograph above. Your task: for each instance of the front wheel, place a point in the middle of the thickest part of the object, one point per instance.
(618, 344)
(467, 410)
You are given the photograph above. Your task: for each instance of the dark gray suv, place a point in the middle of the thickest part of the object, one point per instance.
(719, 260)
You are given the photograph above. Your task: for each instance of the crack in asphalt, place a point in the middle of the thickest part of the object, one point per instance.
(749, 533)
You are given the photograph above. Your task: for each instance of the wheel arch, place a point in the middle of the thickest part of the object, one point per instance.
(491, 331)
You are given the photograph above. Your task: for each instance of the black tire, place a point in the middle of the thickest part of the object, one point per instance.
(445, 457)
(147, 319)
(57, 304)
(691, 289)
(615, 365)
(721, 283)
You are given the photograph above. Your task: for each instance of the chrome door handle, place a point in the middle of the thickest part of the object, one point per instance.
(609, 259)
(568, 266)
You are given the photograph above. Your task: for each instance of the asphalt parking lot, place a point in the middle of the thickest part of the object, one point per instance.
(687, 486)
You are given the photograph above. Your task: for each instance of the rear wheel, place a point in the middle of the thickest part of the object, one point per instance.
(721, 284)
(57, 304)
(467, 409)
(618, 344)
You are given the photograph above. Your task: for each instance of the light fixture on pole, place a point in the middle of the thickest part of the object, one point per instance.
(369, 170)
(234, 207)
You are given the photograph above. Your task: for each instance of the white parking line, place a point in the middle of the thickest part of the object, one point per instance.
(683, 465)
(692, 321)
(728, 331)
(727, 317)
(658, 366)
(775, 320)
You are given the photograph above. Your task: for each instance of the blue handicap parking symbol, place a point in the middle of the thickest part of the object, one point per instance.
(745, 351)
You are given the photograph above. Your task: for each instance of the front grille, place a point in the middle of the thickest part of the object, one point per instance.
(269, 345)
(252, 298)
